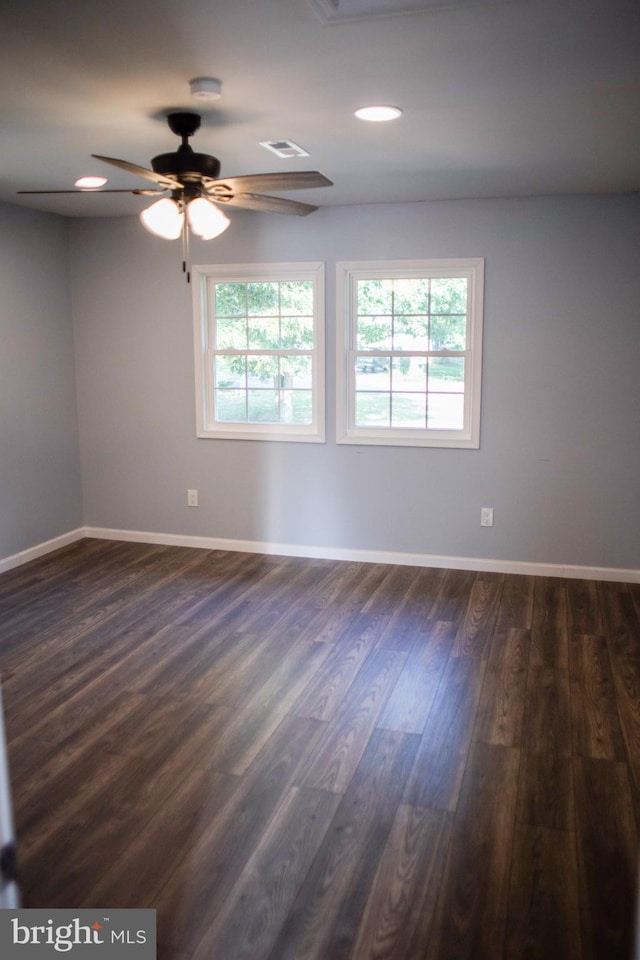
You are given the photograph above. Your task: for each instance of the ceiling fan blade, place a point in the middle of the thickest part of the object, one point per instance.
(98, 190)
(163, 180)
(256, 201)
(294, 180)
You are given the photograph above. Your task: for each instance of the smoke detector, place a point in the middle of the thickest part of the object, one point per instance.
(205, 88)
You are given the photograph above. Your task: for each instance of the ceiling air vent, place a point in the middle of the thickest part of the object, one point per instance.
(284, 148)
(343, 11)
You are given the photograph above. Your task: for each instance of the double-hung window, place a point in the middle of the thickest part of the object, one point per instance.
(259, 339)
(410, 352)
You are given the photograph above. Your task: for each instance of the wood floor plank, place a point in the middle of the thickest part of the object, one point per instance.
(202, 880)
(138, 789)
(72, 694)
(514, 612)
(545, 795)
(77, 563)
(134, 871)
(452, 599)
(339, 584)
(196, 651)
(440, 762)
(412, 697)
(627, 684)
(357, 592)
(64, 562)
(398, 919)
(139, 777)
(502, 700)
(390, 593)
(634, 593)
(621, 623)
(249, 922)
(473, 637)
(549, 636)
(324, 917)
(38, 763)
(324, 693)
(472, 908)
(158, 581)
(543, 913)
(584, 613)
(515, 608)
(105, 643)
(69, 600)
(252, 726)
(242, 598)
(547, 726)
(65, 809)
(270, 600)
(346, 599)
(406, 624)
(237, 659)
(345, 738)
(226, 579)
(545, 791)
(595, 721)
(607, 842)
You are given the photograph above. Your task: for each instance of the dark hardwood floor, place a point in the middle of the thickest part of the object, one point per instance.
(310, 760)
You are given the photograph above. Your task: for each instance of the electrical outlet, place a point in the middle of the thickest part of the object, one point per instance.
(192, 498)
(486, 516)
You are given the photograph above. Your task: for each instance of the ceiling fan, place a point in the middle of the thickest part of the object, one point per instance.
(191, 192)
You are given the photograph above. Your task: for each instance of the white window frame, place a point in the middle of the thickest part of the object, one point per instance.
(348, 273)
(204, 278)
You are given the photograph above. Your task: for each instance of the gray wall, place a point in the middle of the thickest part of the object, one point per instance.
(40, 491)
(560, 444)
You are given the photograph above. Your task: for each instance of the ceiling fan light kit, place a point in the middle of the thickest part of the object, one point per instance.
(206, 220)
(164, 218)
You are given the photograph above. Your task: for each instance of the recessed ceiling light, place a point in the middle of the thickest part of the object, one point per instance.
(90, 183)
(379, 113)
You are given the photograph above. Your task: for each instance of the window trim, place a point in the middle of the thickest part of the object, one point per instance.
(203, 277)
(347, 273)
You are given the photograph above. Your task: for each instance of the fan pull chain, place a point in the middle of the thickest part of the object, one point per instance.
(186, 266)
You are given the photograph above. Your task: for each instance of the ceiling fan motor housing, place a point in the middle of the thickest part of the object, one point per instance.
(186, 163)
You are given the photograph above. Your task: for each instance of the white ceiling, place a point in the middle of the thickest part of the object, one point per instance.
(502, 98)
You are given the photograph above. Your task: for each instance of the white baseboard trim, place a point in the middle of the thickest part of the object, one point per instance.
(40, 549)
(481, 564)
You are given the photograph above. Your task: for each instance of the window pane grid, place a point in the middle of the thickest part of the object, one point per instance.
(269, 387)
(264, 315)
(401, 326)
(260, 351)
(262, 361)
(419, 400)
(413, 350)
(431, 312)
